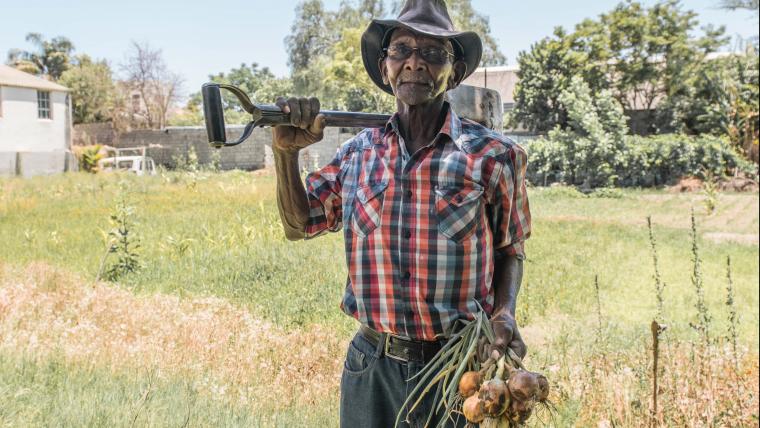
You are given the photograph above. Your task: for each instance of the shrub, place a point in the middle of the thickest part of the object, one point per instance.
(88, 157)
(637, 161)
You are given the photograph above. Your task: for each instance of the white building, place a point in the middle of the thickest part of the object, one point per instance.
(35, 125)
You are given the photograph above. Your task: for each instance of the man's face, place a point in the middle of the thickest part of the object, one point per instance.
(414, 80)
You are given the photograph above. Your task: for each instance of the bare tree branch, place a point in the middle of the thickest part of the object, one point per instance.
(146, 73)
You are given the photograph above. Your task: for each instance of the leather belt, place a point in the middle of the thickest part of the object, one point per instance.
(402, 349)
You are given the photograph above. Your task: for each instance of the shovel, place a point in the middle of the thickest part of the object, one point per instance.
(479, 104)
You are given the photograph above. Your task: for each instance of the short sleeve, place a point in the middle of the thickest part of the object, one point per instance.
(510, 216)
(323, 189)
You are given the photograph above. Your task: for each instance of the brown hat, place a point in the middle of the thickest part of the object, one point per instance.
(426, 17)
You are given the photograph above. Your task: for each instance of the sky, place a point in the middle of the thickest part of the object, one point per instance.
(202, 38)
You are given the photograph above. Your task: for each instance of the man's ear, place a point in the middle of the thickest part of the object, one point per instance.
(383, 70)
(459, 70)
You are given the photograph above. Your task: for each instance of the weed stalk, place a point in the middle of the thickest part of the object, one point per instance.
(659, 285)
(704, 319)
(733, 316)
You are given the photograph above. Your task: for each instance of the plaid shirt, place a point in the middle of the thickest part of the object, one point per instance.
(422, 229)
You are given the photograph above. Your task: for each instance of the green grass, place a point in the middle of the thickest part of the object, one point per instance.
(236, 249)
(219, 235)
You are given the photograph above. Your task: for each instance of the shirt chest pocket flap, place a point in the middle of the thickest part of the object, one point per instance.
(368, 207)
(457, 210)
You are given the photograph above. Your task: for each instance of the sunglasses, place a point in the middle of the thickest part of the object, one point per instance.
(431, 54)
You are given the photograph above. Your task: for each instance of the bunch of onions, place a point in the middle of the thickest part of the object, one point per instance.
(504, 400)
(498, 393)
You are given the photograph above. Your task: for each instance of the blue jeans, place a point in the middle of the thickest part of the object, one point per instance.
(374, 387)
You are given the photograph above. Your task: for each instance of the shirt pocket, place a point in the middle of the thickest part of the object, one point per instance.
(368, 207)
(457, 210)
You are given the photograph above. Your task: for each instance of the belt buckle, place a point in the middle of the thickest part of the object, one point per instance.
(386, 347)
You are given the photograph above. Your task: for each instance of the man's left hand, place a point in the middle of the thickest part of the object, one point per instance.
(507, 336)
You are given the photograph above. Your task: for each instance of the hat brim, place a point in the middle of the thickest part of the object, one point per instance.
(372, 46)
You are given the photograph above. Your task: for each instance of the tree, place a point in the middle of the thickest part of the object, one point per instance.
(466, 18)
(347, 85)
(259, 83)
(325, 57)
(51, 57)
(751, 5)
(92, 89)
(643, 55)
(309, 38)
(146, 73)
(545, 72)
(591, 144)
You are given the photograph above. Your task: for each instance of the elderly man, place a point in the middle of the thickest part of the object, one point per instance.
(434, 211)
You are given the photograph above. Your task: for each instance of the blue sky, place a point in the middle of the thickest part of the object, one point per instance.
(199, 38)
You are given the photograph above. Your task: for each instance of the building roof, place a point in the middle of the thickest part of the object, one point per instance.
(9, 76)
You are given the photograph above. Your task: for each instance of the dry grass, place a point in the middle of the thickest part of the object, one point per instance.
(235, 356)
(616, 389)
(240, 359)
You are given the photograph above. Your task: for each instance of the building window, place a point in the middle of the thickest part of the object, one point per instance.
(135, 103)
(43, 105)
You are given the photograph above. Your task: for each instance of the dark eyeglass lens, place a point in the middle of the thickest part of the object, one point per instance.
(435, 55)
(429, 54)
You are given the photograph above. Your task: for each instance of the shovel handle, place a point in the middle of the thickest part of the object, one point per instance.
(269, 115)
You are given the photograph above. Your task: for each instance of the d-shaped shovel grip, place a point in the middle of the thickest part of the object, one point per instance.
(267, 115)
(213, 113)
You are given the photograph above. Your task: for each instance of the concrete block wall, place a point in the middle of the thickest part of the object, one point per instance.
(8, 164)
(86, 134)
(165, 146)
(321, 153)
(30, 164)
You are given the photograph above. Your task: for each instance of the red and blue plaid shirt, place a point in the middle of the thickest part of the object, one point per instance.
(422, 229)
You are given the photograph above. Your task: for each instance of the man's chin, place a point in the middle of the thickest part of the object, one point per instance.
(412, 96)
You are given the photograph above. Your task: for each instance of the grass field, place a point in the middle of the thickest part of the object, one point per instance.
(228, 324)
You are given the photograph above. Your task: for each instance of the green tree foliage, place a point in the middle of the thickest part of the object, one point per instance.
(466, 18)
(545, 72)
(325, 57)
(720, 98)
(50, 57)
(347, 85)
(587, 151)
(642, 54)
(259, 83)
(310, 38)
(92, 89)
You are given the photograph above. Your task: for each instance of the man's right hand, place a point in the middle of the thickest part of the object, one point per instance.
(306, 124)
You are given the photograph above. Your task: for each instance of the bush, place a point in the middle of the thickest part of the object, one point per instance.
(88, 157)
(639, 161)
(586, 151)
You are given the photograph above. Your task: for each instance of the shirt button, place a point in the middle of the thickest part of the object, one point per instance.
(407, 275)
(409, 194)
(409, 313)
(408, 234)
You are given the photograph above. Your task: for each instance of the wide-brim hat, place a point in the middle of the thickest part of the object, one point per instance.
(426, 17)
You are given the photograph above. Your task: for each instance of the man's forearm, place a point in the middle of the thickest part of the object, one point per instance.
(507, 276)
(292, 202)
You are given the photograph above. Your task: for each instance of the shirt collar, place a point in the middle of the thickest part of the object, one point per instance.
(452, 125)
